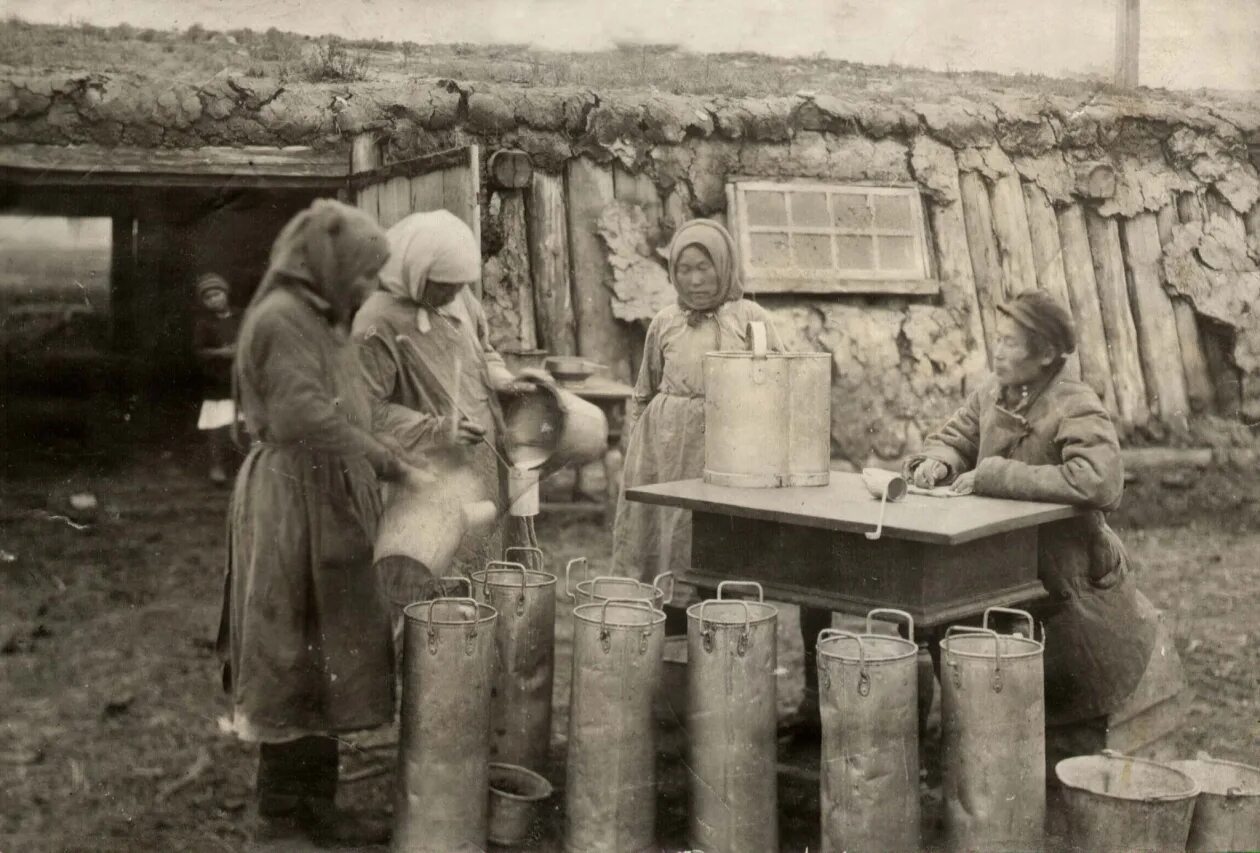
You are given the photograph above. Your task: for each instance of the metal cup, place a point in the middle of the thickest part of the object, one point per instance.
(880, 483)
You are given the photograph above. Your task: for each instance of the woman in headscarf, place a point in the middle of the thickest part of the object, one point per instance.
(433, 377)
(304, 631)
(1033, 433)
(665, 416)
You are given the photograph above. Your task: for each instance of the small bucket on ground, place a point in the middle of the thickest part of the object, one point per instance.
(1114, 802)
(1227, 812)
(515, 792)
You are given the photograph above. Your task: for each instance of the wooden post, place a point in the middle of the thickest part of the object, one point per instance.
(954, 263)
(1158, 346)
(1010, 224)
(978, 217)
(637, 188)
(1128, 40)
(516, 293)
(549, 264)
(599, 334)
(1113, 298)
(1082, 285)
(1198, 380)
(1047, 254)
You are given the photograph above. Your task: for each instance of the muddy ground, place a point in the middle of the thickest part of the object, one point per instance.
(110, 702)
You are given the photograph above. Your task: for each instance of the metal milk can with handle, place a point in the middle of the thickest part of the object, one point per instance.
(602, 588)
(788, 442)
(441, 800)
(610, 791)
(525, 635)
(993, 738)
(731, 723)
(1227, 811)
(868, 687)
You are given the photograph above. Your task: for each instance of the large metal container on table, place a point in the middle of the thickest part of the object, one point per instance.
(767, 417)
(731, 719)
(610, 793)
(868, 698)
(525, 635)
(442, 803)
(1115, 803)
(993, 737)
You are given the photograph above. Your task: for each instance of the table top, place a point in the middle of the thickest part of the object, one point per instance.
(598, 388)
(845, 505)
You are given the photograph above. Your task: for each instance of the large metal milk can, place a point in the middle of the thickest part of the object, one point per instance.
(605, 587)
(993, 738)
(868, 687)
(731, 720)
(788, 443)
(525, 636)
(610, 796)
(444, 741)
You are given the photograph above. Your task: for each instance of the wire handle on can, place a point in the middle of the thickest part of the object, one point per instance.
(656, 583)
(605, 636)
(527, 550)
(458, 579)
(761, 595)
(1012, 612)
(995, 681)
(568, 589)
(506, 566)
(469, 637)
(864, 677)
(707, 631)
(909, 620)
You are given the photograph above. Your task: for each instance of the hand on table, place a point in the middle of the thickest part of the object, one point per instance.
(928, 473)
(965, 484)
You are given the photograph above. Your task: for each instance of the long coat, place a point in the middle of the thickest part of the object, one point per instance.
(1061, 446)
(304, 628)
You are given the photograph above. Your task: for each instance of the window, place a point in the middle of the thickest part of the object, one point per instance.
(831, 238)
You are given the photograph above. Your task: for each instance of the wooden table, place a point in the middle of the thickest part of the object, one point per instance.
(939, 559)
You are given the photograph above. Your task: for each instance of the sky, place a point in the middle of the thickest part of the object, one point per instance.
(1186, 44)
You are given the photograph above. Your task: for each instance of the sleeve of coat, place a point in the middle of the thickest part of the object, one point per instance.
(1091, 473)
(299, 406)
(414, 430)
(651, 369)
(957, 443)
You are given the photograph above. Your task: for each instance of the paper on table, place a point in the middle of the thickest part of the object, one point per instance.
(937, 492)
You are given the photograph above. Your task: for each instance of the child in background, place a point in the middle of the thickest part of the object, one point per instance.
(214, 340)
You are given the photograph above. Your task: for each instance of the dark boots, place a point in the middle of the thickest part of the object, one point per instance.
(297, 790)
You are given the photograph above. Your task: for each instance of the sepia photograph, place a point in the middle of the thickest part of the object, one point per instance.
(673, 426)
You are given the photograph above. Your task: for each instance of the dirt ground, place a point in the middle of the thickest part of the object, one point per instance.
(111, 702)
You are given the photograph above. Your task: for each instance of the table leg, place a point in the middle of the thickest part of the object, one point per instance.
(613, 463)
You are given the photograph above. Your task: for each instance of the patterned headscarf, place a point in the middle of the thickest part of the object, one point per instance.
(718, 244)
(325, 249)
(432, 246)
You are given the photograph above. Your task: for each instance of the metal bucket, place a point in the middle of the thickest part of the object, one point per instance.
(514, 796)
(993, 738)
(788, 443)
(606, 587)
(610, 794)
(868, 697)
(1227, 812)
(1113, 802)
(525, 642)
(553, 426)
(444, 744)
(732, 716)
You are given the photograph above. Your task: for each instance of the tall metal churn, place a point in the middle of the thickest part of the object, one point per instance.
(731, 720)
(525, 638)
(610, 796)
(444, 742)
(994, 747)
(601, 588)
(868, 688)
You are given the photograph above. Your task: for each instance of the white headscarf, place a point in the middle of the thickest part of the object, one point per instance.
(431, 246)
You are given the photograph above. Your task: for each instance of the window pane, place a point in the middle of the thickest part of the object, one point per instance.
(765, 208)
(856, 253)
(810, 210)
(897, 253)
(770, 250)
(813, 251)
(892, 212)
(851, 211)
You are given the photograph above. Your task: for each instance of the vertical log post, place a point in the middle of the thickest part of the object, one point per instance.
(982, 245)
(1010, 224)
(1113, 298)
(1082, 285)
(517, 291)
(1047, 255)
(549, 264)
(1198, 380)
(637, 188)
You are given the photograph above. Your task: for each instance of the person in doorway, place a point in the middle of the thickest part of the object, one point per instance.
(432, 377)
(214, 342)
(1032, 433)
(304, 633)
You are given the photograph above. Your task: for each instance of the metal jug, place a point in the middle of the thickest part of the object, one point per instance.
(605, 587)
(1114, 804)
(731, 723)
(444, 740)
(525, 636)
(868, 697)
(993, 738)
(610, 795)
(1227, 812)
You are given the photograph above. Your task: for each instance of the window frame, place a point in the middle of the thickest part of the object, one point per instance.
(771, 280)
